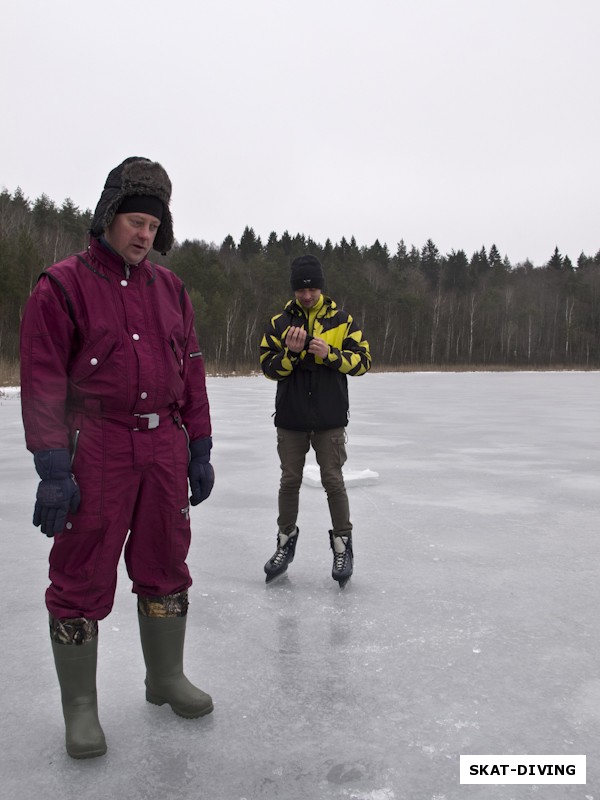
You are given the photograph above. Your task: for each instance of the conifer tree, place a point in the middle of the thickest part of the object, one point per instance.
(250, 244)
(430, 262)
(556, 262)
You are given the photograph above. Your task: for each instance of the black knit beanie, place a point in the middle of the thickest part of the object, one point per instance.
(148, 182)
(307, 273)
(142, 204)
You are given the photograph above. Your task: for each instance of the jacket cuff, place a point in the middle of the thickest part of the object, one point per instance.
(52, 464)
(334, 357)
(200, 449)
(289, 357)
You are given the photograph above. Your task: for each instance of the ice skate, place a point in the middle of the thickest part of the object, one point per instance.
(282, 557)
(343, 561)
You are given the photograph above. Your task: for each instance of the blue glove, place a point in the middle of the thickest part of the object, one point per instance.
(58, 492)
(200, 471)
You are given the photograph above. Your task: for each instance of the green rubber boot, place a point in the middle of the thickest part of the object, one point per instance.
(76, 669)
(162, 632)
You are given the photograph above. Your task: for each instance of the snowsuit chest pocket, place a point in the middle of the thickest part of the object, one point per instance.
(91, 357)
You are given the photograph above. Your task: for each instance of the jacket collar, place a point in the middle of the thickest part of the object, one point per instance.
(104, 255)
(294, 307)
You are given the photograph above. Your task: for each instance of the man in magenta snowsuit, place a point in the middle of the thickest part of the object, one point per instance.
(117, 417)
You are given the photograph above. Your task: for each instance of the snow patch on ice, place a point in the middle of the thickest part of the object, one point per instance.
(352, 477)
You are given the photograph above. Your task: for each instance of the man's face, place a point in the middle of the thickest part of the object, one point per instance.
(307, 297)
(132, 235)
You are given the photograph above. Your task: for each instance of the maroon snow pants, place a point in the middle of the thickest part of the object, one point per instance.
(134, 493)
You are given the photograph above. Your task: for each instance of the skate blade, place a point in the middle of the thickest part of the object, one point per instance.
(343, 582)
(271, 578)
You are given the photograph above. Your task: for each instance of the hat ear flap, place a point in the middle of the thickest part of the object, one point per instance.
(164, 239)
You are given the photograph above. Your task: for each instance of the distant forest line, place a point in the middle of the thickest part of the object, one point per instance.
(416, 306)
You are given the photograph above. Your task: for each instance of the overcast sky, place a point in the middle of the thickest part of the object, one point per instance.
(470, 122)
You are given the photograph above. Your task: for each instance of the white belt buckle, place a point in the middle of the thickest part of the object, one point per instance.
(153, 420)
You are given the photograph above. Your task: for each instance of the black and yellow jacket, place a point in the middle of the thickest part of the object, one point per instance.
(312, 393)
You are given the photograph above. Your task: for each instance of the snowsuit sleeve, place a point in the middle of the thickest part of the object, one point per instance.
(47, 336)
(195, 411)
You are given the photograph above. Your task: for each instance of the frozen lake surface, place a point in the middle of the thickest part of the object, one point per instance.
(469, 626)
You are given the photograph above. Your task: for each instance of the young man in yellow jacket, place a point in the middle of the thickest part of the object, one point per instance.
(309, 349)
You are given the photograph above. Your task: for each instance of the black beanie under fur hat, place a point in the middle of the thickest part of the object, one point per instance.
(136, 176)
(307, 272)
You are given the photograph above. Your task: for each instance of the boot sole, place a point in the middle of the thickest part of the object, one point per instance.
(160, 701)
(90, 754)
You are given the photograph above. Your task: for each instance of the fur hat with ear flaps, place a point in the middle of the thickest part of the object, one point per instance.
(136, 176)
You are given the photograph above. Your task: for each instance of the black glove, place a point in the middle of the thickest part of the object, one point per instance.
(58, 492)
(200, 471)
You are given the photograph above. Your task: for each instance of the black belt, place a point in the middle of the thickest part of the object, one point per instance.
(136, 422)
